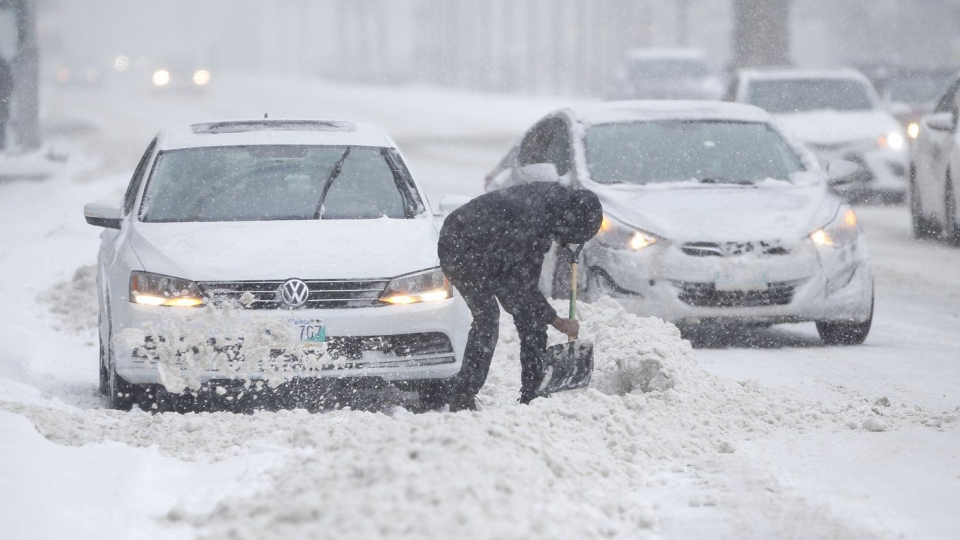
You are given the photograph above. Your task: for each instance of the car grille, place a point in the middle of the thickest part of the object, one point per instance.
(707, 295)
(329, 294)
(340, 352)
(730, 249)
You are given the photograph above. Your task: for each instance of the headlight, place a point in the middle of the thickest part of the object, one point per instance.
(201, 77)
(618, 236)
(841, 231)
(161, 77)
(913, 130)
(424, 286)
(893, 140)
(158, 290)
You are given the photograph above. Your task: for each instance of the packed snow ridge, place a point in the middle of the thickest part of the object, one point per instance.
(582, 455)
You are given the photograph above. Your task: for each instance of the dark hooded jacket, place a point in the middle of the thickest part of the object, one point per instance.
(499, 239)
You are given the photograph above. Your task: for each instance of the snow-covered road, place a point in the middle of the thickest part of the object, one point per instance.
(766, 435)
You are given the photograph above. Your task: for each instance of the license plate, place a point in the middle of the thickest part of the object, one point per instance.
(740, 279)
(309, 330)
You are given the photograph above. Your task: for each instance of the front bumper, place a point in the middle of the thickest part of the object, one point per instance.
(664, 281)
(191, 346)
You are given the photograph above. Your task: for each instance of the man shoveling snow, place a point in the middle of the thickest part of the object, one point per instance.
(491, 249)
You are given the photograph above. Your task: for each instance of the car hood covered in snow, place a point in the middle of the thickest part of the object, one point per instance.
(769, 210)
(826, 128)
(274, 250)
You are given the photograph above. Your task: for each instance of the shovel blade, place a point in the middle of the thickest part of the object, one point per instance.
(567, 366)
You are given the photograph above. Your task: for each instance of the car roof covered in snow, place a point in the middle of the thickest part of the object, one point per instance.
(612, 112)
(273, 131)
(792, 74)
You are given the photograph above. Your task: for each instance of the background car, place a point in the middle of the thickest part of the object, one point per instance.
(910, 93)
(712, 215)
(666, 74)
(935, 175)
(838, 115)
(180, 75)
(272, 250)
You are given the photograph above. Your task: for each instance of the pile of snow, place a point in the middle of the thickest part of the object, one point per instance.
(74, 301)
(567, 466)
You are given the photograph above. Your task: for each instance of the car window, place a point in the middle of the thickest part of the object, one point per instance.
(547, 142)
(267, 182)
(130, 197)
(680, 150)
(948, 102)
(800, 95)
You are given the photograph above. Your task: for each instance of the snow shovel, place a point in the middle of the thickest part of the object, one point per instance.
(568, 366)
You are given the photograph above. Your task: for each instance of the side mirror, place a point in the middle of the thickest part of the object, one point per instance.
(941, 121)
(539, 172)
(841, 171)
(105, 213)
(449, 203)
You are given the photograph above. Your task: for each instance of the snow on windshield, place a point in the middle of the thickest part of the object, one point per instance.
(678, 150)
(265, 183)
(799, 95)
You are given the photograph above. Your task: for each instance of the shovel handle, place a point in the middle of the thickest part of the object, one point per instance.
(574, 256)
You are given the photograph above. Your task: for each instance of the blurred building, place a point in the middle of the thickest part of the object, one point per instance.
(554, 46)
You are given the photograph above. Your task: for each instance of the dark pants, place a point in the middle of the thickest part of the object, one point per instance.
(481, 295)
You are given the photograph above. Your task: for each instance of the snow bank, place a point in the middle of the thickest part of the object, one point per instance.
(568, 466)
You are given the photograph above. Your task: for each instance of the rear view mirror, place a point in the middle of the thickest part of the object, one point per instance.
(841, 171)
(449, 203)
(941, 121)
(105, 213)
(539, 172)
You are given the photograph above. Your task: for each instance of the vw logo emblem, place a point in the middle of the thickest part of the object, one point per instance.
(294, 293)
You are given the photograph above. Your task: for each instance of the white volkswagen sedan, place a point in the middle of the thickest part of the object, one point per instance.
(270, 250)
(712, 215)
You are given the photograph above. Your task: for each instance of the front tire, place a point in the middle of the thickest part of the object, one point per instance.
(120, 393)
(921, 226)
(845, 333)
(951, 229)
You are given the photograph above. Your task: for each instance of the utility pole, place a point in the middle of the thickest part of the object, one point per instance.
(25, 68)
(761, 33)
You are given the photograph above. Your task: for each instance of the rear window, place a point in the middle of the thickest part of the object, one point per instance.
(279, 182)
(799, 95)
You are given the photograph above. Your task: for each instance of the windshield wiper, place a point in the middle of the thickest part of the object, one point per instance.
(722, 180)
(334, 173)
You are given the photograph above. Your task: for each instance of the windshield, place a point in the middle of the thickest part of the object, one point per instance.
(675, 151)
(667, 69)
(264, 183)
(798, 95)
(916, 88)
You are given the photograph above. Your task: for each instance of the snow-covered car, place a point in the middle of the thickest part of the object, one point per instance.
(270, 250)
(666, 74)
(838, 115)
(911, 94)
(712, 216)
(935, 175)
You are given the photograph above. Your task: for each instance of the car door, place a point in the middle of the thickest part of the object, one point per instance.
(111, 273)
(932, 155)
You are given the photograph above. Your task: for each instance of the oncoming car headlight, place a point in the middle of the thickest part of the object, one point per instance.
(159, 290)
(841, 231)
(618, 236)
(424, 286)
(893, 140)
